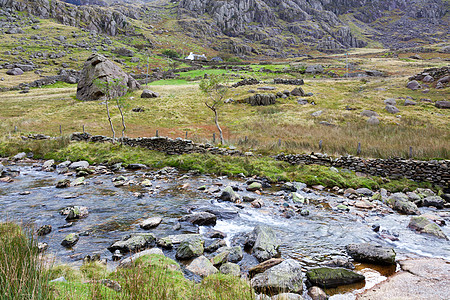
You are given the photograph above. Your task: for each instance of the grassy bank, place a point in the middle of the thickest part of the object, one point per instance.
(155, 277)
(263, 166)
(22, 274)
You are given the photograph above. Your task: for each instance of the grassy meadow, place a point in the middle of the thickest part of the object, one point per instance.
(283, 127)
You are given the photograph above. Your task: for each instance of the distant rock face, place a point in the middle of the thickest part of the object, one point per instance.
(89, 17)
(99, 67)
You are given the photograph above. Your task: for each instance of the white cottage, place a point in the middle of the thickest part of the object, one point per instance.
(193, 56)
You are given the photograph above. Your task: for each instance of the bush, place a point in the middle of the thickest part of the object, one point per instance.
(170, 53)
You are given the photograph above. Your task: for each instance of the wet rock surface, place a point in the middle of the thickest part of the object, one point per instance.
(419, 279)
(332, 277)
(375, 254)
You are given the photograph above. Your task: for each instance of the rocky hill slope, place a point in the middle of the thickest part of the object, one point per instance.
(281, 28)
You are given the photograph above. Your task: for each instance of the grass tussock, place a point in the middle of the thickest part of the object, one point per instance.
(151, 277)
(22, 273)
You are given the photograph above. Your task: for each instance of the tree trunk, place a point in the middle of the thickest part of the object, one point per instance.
(110, 122)
(216, 120)
(123, 119)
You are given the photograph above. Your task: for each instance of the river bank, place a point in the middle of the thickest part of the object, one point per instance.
(313, 225)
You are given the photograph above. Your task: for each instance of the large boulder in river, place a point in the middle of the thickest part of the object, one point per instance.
(98, 67)
(333, 277)
(284, 277)
(374, 254)
(264, 243)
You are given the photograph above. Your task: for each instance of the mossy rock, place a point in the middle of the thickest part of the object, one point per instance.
(329, 277)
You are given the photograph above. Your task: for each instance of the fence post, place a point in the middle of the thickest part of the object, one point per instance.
(60, 130)
(358, 150)
(157, 133)
(246, 139)
(83, 129)
(214, 137)
(279, 142)
(410, 152)
(320, 145)
(186, 134)
(15, 128)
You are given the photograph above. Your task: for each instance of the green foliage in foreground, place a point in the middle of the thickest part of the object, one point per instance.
(21, 271)
(225, 165)
(22, 276)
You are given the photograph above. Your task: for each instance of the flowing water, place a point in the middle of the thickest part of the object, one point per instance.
(116, 211)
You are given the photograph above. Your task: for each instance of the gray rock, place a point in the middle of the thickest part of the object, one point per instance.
(124, 52)
(369, 113)
(128, 262)
(14, 72)
(409, 102)
(99, 67)
(314, 69)
(435, 201)
(293, 186)
(428, 78)
(284, 277)
(75, 212)
(189, 248)
(202, 266)
(373, 121)
(390, 101)
(265, 243)
(328, 277)
(133, 243)
(254, 186)
(317, 113)
(316, 293)
(399, 202)
(413, 85)
(70, 240)
(44, 230)
(391, 109)
(230, 269)
(150, 223)
(298, 91)
(442, 104)
(375, 254)
(228, 194)
(149, 94)
(423, 225)
(19, 156)
(200, 218)
(169, 241)
(287, 296)
(48, 164)
(364, 192)
(79, 164)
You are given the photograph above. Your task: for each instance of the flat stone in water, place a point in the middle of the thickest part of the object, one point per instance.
(332, 277)
(371, 253)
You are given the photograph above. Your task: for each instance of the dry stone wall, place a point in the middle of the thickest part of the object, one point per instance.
(437, 172)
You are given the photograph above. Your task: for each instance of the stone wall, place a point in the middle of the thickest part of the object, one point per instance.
(437, 172)
(163, 144)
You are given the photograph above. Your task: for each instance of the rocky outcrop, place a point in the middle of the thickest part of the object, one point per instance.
(99, 68)
(94, 18)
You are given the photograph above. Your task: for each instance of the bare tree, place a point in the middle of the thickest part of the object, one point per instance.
(111, 88)
(213, 86)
